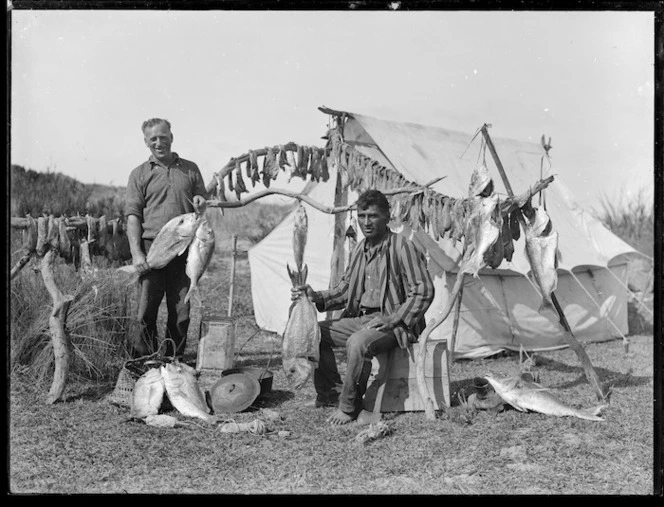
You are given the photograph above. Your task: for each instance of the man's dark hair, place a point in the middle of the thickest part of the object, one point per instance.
(376, 198)
(155, 121)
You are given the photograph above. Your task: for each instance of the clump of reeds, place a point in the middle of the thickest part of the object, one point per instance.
(633, 221)
(98, 321)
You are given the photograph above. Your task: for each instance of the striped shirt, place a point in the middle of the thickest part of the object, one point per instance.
(406, 286)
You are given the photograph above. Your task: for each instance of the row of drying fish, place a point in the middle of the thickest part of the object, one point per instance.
(293, 160)
(300, 351)
(50, 233)
(187, 231)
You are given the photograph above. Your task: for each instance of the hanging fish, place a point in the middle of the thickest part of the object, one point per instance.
(268, 162)
(252, 166)
(221, 188)
(30, 239)
(541, 249)
(64, 242)
(53, 234)
(324, 171)
(103, 234)
(239, 181)
(282, 160)
(300, 228)
(231, 187)
(42, 235)
(494, 255)
(479, 181)
(199, 255)
(301, 339)
(486, 234)
(508, 243)
(292, 164)
(303, 162)
(446, 217)
(515, 229)
(457, 220)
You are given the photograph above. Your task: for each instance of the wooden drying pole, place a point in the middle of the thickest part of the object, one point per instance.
(588, 369)
(232, 281)
(59, 336)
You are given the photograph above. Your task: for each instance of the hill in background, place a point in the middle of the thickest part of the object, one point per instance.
(36, 192)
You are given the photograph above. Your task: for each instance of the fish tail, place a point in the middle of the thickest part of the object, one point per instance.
(591, 414)
(189, 293)
(127, 269)
(547, 306)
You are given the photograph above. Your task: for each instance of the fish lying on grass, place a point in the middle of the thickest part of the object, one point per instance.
(147, 395)
(541, 249)
(171, 241)
(184, 392)
(525, 395)
(485, 231)
(301, 340)
(200, 253)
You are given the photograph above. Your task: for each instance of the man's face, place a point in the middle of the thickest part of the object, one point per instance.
(373, 223)
(158, 139)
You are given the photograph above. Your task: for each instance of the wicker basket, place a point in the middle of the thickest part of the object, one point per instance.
(131, 371)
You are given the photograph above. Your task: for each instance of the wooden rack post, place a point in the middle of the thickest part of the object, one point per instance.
(232, 282)
(588, 369)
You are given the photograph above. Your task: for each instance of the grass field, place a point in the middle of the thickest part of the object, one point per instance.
(86, 445)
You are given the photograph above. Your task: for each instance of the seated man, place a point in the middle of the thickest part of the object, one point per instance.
(384, 292)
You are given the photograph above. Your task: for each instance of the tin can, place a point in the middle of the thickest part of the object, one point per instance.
(216, 344)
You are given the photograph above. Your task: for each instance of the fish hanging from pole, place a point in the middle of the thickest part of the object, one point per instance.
(542, 252)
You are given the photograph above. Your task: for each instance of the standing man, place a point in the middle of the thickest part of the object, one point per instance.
(158, 190)
(384, 292)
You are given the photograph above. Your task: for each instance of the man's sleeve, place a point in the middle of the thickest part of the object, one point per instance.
(134, 198)
(420, 290)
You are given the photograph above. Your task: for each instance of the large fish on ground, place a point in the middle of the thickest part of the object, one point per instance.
(486, 231)
(147, 395)
(171, 241)
(541, 249)
(301, 340)
(200, 253)
(184, 392)
(524, 395)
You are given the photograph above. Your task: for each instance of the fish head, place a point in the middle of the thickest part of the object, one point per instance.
(204, 231)
(187, 224)
(297, 370)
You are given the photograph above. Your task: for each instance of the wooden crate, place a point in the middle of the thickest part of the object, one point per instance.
(401, 393)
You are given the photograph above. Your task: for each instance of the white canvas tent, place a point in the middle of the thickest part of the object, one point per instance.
(499, 309)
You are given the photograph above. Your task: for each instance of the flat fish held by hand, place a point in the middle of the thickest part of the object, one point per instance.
(524, 395)
(171, 241)
(200, 253)
(301, 341)
(184, 392)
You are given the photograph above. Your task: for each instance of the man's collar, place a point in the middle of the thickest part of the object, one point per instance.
(380, 245)
(153, 161)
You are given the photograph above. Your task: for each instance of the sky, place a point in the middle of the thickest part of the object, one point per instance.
(83, 81)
